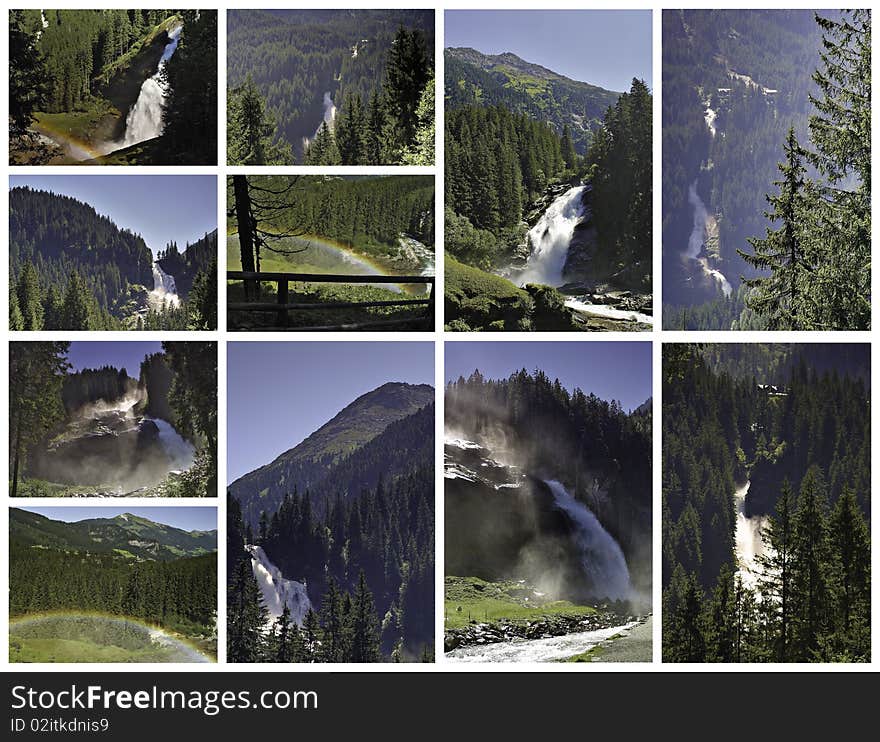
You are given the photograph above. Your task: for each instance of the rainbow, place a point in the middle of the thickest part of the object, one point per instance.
(183, 650)
(78, 149)
(333, 253)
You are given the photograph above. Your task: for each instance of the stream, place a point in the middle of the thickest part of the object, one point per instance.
(697, 241)
(549, 649)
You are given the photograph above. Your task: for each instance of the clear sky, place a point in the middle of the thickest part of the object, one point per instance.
(607, 48)
(610, 370)
(160, 208)
(278, 393)
(185, 518)
(119, 353)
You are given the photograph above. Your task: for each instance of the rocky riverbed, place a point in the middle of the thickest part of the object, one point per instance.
(480, 633)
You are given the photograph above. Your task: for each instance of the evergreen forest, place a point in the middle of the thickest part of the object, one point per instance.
(353, 524)
(96, 87)
(376, 225)
(766, 503)
(766, 169)
(74, 269)
(517, 138)
(56, 567)
(330, 87)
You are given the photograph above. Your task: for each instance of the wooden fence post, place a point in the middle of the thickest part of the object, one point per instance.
(282, 303)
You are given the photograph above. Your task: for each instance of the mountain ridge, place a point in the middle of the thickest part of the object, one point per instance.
(125, 534)
(395, 415)
(476, 78)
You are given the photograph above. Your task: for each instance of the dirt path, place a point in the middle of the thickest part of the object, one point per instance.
(636, 646)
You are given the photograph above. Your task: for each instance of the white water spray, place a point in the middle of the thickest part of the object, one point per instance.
(601, 556)
(696, 240)
(180, 451)
(749, 541)
(328, 118)
(550, 239)
(277, 591)
(164, 291)
(144, 120)
(548, 649)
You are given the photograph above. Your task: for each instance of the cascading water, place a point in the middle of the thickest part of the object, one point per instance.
(696, 240)
(180, 452)
(329, 118)
(551, 237)
(601, 556)
(144, 120)
(277, 591)
(164, 291)
(749, 542)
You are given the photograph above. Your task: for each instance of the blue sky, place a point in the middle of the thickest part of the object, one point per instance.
(160, 208)
(185, 518)
(281, 392)
(602, 47)
(610, 370)
(118, 353)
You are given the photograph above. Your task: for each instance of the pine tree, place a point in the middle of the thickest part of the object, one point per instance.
(30, 299)
(421, 152)
(407, 72)
(27, 76)
(251, 130)
(365, 625)
(247, 616)
(783, 297)
(810, 559)
(682, 606)
(569, 155)
(16, 321)
(776, 568)
(375, 139)
(349, 132)
(36, 374)
(841, 134)
(850, 577)
(76, 310)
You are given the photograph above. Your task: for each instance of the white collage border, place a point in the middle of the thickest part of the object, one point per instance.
(656, 336)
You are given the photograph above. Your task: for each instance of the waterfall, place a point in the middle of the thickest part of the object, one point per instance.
(144, 119)
(180, 451)
(697, 238)
(164, 291)
(749, 543)
(276, 590)
(550, 238)
(328, 118)
(601, 556)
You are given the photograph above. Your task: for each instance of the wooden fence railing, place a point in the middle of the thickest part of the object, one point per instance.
(282, 305)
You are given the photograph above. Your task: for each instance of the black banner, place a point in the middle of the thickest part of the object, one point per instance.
(399, 705)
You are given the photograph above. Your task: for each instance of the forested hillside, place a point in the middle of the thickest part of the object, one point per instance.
(343, 226)
(749, 243)
(76, 75)
(766, 505)
(186, 265)
(88, 567)
(506, 165)
(359, 212)
(75, 269)
(330, 87)
(348, 514)
(510, 82)
(389, 424)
